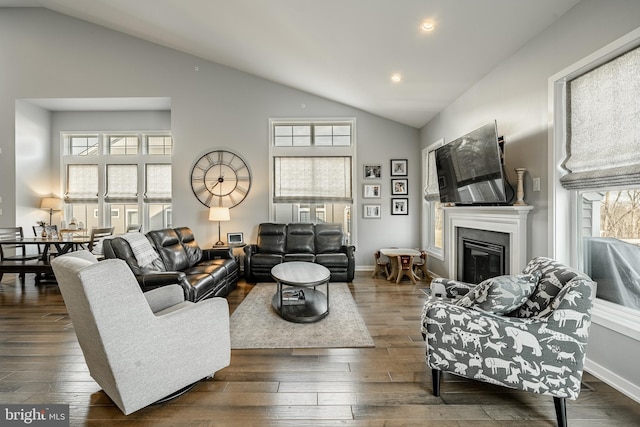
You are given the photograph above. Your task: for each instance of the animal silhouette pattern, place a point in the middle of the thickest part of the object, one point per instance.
(543, 352)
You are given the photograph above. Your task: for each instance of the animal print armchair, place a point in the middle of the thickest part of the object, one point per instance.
(527, 332)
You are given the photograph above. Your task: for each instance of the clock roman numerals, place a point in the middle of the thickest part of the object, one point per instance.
(220, 178)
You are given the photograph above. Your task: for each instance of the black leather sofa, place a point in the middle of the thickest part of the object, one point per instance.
(319, 243)
(202, 273)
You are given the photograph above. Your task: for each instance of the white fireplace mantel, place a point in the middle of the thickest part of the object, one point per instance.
(504, 219)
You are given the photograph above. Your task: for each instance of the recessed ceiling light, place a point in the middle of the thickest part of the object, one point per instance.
(396, 77)
(428, 25)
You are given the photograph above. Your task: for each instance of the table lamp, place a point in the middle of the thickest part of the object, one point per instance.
(51, 204)
(219, 214)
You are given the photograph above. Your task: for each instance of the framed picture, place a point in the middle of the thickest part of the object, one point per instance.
(235, 239)
(398, 167)
(372, 171)
(399, 206)
(371, 211)
(371, 191)
(399, 186)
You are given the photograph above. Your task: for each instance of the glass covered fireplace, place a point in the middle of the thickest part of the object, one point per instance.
(482, 254)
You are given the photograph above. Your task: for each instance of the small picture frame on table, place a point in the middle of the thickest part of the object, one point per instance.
(400, 206)
(371, 191)
(371, 211)
(372, 171)
(398, 167)
(399, 186)
(235, 239)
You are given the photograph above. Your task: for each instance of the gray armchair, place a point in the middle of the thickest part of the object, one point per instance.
(140, 347)
(527, 332)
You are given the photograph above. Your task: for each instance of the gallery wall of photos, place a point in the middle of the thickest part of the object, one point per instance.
(372, 189)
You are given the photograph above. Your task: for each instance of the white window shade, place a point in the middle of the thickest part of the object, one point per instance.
(82, 184)
(431, 189)
(122, 183)
(312, 179)
(603, 148)
(158, 183)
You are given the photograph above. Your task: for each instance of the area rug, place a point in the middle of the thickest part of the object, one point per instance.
(255, 324)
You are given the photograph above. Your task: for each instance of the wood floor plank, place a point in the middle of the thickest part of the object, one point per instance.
(388, 385)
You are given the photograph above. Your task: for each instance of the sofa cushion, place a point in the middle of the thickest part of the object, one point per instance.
(266, 260)
(300, 239)
(299, 257)
(272, 238)
(332, 260)
(329, 238)
(170, 249)
(191, 247)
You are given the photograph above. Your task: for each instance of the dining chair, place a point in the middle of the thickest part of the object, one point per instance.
(405, 268)
(95, 240)
(12, 234)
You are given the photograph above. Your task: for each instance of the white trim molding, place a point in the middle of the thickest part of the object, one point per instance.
(511, 220)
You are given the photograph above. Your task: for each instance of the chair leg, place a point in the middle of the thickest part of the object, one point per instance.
(435, 374)
(561, 411)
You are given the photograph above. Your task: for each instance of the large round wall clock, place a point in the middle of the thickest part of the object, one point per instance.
(220, 178)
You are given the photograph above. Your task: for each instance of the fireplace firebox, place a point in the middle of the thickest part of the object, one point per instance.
(482, 254)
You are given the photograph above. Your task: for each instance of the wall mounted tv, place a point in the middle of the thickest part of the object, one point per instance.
(470, 169)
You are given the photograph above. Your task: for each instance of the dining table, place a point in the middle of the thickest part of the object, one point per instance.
(393, 254)
(64, 243)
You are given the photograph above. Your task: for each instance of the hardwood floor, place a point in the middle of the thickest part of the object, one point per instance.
(389, 385)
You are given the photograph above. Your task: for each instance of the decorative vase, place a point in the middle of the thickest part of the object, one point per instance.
(520, 190)
(44, 232)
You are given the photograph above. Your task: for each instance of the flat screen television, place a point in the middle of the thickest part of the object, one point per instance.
(470, 169)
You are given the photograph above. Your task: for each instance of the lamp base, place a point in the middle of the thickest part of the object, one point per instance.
(219, 243)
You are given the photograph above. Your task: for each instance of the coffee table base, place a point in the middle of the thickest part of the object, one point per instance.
(315, 306)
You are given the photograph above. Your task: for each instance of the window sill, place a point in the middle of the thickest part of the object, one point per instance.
(620, 319)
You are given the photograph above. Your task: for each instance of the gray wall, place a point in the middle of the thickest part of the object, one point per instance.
(47, 55)
(516, 95)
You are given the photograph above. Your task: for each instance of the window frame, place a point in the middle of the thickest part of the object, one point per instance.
(102, 158)
(316, 151)
(429, 209)
(565, 243)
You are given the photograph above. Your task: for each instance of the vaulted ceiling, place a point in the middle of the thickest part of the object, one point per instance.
(343, 50)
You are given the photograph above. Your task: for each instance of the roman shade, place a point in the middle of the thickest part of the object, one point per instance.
(82, 184)
(603, 131)
(431, 191)
(312, 179)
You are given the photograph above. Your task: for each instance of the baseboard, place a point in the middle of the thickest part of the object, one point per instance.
(622, 385)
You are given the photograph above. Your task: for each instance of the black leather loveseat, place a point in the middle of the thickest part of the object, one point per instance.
(202, 273)
(319, 243)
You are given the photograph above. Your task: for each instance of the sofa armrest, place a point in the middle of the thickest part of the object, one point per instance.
(217, 253)
(449, 288)
(156, 280)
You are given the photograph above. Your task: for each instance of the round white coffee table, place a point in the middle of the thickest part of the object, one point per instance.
(297, 299)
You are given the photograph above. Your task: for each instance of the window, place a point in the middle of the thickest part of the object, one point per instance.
(124, 145)
(433, 214)
(82, 145)
(113, 180)
(593, 200)
(312, 171)
(161, 144)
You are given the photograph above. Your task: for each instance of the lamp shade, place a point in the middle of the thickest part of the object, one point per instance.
(219, 214)
(51, 203)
